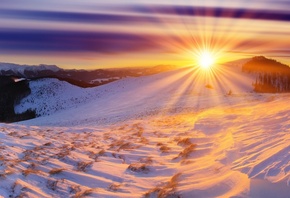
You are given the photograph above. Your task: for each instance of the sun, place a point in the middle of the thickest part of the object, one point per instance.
(206, 60)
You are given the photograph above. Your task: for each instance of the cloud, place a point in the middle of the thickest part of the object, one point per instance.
(218, 12)
(76, 17)
(73, 41)
(145, 14)
(106, 41)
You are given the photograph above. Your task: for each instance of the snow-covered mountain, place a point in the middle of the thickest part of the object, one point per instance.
(183, 133)
(81, 78)
(51, 95)
(23, 69)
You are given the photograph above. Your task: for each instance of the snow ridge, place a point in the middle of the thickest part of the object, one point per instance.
(51, 95)
(21, 69)
(165, 135)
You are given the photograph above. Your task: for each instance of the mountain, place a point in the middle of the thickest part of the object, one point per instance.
(262, 64)
(81, 78)
(180, 133)
(271, 75)
(14, 81)
(22, 70)
(50, 96)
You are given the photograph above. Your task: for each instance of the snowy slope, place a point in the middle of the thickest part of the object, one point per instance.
(237, 150)
(51, 95)
(166, 135)
(130, 96)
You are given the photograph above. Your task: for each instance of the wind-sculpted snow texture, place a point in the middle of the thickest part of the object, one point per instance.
(154, 136)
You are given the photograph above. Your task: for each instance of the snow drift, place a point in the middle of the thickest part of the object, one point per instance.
(165, 135)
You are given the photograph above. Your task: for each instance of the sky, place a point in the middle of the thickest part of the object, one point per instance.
(90, 34)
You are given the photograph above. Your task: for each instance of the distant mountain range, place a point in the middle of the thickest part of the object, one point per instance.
(15, 82)
(81, 78)
(32, 91)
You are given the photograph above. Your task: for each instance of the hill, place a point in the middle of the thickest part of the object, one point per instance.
(11, 93)
(81, 78)
(164, 135)
(271, 75)
(243, 76)
(143, 93)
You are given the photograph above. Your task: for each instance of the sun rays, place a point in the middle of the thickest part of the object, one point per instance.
(206, 60)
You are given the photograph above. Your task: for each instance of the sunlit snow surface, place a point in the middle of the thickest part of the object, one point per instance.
(161, 135)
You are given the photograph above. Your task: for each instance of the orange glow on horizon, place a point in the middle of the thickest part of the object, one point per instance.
(167, 35)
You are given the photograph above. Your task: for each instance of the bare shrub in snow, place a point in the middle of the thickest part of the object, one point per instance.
(126, 146)
(102, 152)
(164, 149)
(32, 166)
(14, 134)
(166, 190)
(18, 188)
(63, 154)
(75, 189)
(139, 130)
(47, 144)
(122, 145)
(122, 157)
(4, 173)
(95, 156)
(114, 187)
(83, 193)
(117, 144)
(56, 171)
(138, 167)
(184, 142)
(29, 171)
(52, 184)
(82, 166)
(187, 151)
(144, 140)
(146, 160)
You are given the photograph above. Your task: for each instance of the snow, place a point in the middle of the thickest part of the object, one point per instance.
(164, 135)
(104, 79)
(22, 68)
(129, 97)
(51, 95)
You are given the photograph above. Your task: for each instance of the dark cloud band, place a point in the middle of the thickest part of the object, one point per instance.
(142, 17)
(75, 17)
(237, 13)
(72, 41)
(142, 14)
(111, 42)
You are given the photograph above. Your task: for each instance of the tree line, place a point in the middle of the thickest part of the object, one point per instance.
(271, 76)
(11, 93)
